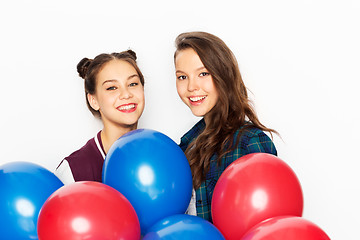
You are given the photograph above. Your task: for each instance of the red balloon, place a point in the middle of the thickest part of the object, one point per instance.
(286, 227)
(252, 189)
(87, 210)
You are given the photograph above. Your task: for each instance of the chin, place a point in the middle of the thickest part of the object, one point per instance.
(129, 123)
(131, 126)
(198, 114)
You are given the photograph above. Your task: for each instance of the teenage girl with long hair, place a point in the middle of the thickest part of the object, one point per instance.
(210, 84)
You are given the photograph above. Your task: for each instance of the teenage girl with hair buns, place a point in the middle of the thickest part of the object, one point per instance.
(210, 84)
(114, 90)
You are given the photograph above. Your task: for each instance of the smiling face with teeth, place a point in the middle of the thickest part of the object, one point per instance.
(119, 95)
(194, 83)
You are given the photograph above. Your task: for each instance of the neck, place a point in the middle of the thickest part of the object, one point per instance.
(110, 134)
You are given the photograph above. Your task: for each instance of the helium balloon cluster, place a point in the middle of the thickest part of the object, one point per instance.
(146, 178)
(145, 191)
(259, 197)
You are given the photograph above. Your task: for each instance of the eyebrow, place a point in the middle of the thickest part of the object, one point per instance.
(133, 76)
(197, 69)
(114, 80)
(201, 68)
(179, 71)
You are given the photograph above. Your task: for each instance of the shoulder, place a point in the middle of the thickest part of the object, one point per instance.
(251, 132)
(88, 149)
(254, 140)
(86, 163)
(90, 153)
(192, 134)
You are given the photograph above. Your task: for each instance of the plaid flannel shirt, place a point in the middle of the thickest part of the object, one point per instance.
(252, 140)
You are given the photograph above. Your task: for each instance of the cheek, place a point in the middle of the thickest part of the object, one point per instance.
(139, 93)
(141, 106)
(101, 100)
(209, 86)
(215, 94)
(142, 96)
(181, 89)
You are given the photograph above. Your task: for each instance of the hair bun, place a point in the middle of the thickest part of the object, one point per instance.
(83, 66)
(132, 53)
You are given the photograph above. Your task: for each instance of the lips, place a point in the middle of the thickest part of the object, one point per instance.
(197, 100)
(127, 108)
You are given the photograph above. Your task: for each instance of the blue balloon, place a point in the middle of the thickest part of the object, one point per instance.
(24, 187)
(184, 227)
(152, 172)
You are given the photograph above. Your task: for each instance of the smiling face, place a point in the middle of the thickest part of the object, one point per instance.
(119, 94)
(194, 83)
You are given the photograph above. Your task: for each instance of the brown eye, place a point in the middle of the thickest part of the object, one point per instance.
(204, 74)
(133, 84)
(111, 88)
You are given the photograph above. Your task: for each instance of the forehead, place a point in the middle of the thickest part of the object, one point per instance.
(116, 69)
(188, 59)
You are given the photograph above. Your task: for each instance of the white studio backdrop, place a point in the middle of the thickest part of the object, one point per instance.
(299, 59)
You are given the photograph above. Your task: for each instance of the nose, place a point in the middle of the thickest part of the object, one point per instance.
(193, 84)
(125, 94)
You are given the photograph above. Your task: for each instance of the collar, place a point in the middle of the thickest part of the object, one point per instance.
(99, 144)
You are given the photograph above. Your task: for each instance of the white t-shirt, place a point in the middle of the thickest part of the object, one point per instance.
(191, 210)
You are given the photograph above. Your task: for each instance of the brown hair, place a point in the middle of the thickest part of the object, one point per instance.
(88, 69)
(232, 111)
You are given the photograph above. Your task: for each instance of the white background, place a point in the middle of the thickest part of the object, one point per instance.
(299, 59)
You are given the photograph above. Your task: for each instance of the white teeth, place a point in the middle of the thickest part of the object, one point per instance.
(195, 99)
(127, 107)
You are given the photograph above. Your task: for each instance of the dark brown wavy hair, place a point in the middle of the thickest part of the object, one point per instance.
(232, 111)
(88, 69)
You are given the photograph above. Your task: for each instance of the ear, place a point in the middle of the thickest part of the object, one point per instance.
(93, 102)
